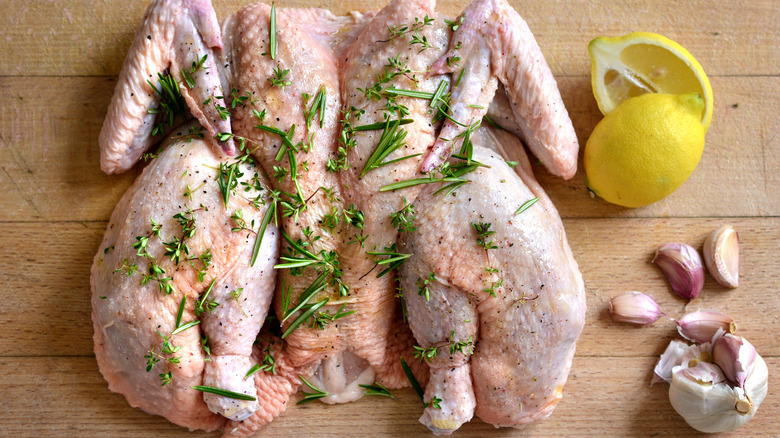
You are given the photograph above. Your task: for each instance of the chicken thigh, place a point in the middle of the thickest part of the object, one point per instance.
(494, 297)
(180, 290)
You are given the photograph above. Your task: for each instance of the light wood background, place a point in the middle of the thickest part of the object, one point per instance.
(59, 65)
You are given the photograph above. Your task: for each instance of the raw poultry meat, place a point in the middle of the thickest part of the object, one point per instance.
(176, 301)
(502, 317)
(493, 45)
(293, 138)
(176, 34)
(337, 114)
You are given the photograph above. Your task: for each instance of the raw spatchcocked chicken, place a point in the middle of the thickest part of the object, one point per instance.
(329, 210)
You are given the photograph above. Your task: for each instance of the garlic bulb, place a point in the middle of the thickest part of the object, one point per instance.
(683, 268)
(713, 404)
(721, 255)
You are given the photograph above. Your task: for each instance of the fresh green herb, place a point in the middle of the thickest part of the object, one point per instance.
(437, 96)
(204, 344)
(270, 213)
(426, 354)
(223, 112)
(455, 24)
(394, 259)
(526, 205)
(412, 380)
(128, 267)
(224, 392)
(227, 180)
(279, 78)
(391, 139)
(317, 107)
(380, 125)
(435, 403)
(354, 217)
(377, 389)
(209, 305)
(311, 396)
(493, 286)
(235, 295)
(483, 235)
(403, 219)
(185, 326)
(196, 65)
(321, 320)
(171, 101)
(422, 286)
(272, 32)
(303, 317)
(180, 313)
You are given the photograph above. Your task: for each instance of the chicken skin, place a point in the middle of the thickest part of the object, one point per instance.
(493, 45)
(180, 35)
(177, 299)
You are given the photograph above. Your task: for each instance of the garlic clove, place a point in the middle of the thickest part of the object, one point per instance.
(683, 267)
(721, 255)
(704, 373)
(701, 326)
(634, 307)
(735, 356)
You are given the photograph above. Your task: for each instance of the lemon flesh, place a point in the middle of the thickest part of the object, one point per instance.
(643, 62)
(645, 148)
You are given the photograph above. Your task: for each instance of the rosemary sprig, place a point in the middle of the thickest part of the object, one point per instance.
(272, 31)
(391, 139)
(380, 125)
(304, 316)
(527, 204)
(171, 101)
(412, 380)
(311, 396)
(394, 259)
(270, 213)
(183, 327)
(224, 392)
(377, 389)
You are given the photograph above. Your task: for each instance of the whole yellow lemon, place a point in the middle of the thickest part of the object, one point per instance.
(645, 148)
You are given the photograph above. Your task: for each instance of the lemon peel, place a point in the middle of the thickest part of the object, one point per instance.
(645, 149)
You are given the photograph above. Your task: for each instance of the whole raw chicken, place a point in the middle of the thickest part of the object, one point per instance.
(322, 155)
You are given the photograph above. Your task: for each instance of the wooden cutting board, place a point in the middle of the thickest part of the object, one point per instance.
(60, 61)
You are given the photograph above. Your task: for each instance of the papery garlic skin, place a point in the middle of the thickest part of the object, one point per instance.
(634, 307)
(721, 256)
(679, 353)
(717, 407)
(683, 267)
(701, 326)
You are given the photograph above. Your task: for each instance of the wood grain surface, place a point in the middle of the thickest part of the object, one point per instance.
(60, 61)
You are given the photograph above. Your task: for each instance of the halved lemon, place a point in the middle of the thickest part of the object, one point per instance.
(644, 62)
